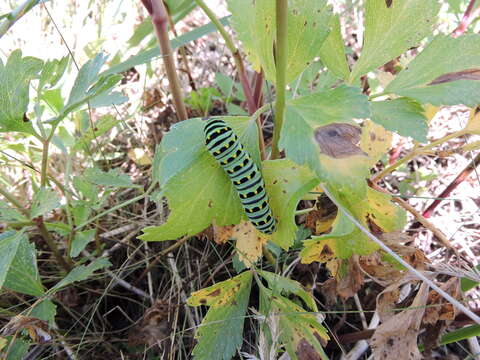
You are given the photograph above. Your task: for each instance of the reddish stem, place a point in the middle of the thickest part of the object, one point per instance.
(467, 19)
(445, 193)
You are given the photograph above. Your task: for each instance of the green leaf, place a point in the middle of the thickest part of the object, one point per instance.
(468, 284)
(444, 73)
(9, 214)
(460, 334)
(81, 273)
(300, 331)
(286, 183)
(388, 33)
(283, 285)
(89, 84)
(53, 98)
(198, 190)
(114, 98)
(52, 72)
(332, 52)
(403, 115)
(15, 77)
(221, 331)
(22, 276)
(146, 56)
(305, 115)
(308, 27)
(9, 243)
(45, 200)
(46, 311)
(112, 178)
(104, 124)
(81, 240)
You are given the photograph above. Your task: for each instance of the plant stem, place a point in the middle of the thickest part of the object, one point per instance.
(467, 19)
(251, 105)
(52, 245)
(16, 15)
(43, 171)
(416, 151)
(281, 54)
(159, 16)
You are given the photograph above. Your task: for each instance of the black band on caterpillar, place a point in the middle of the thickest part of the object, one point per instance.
(224, 145)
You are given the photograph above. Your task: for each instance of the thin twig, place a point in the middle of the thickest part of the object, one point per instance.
(158, 13)
(409, 267)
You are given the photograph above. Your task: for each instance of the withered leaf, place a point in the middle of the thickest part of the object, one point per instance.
(339, 140)
(468, 74)
(36, 328)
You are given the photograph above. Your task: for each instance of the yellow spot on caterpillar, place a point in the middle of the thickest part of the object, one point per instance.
(237, 182)
(255, 192)
(227, 146)
(218, 131)
(234, 156)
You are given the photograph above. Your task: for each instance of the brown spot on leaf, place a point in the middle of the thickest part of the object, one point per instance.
(210, 204)
(389, 3)
(339, 140)
(468, 74)
(203, 301)
(215, 293)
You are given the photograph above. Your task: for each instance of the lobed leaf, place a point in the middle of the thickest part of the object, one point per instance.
(15, 77)
(443, 73)
(81, 273)
(332, 52)
(387, 34)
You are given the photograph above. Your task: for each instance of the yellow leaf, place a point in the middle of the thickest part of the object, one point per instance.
(430, 111)
(249, 242)
(220, 294)
(139, 156)
(473, 125)
(375, 140)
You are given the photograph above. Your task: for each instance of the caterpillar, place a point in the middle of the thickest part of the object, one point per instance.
(225, 147)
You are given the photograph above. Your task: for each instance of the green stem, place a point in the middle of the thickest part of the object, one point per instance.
(281, 54)
(43, 171)
(52, 245)
(16, 15)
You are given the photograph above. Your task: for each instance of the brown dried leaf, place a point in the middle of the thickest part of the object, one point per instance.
(36, 328)
(222, 234)
(468, 74)
(339, 140)
(387, 299)
(318, 222)
(397, 337)
(382, 271)
(352, 281)
(438, 308)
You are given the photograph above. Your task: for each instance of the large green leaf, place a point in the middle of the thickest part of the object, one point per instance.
(15, 77)
(221, 331)
(332, 52)
(198, 190)
(391, 30)
(286, 183)
(305, 115)
(22, 276)
(403, 115)
(308, 27)
(446, 72)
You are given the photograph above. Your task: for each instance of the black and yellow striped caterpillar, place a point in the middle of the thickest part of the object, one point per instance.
(224, 145)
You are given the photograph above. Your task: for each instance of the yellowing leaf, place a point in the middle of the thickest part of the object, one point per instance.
(375, 140)
(220, 294)
(473, 125)
(139, 156)
(430, 111)
(249, 242)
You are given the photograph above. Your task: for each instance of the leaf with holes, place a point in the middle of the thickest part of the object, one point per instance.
(446, 72)
(221, 331)
(387, 34)
(309, 23)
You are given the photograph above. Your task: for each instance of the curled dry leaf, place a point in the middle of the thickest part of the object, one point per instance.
(397, 337)
(36, 328)
(438, 308)
(154, 328)
(222, 234)
(249, 242)
(387, 299)
(339, 140)
(352, 281)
